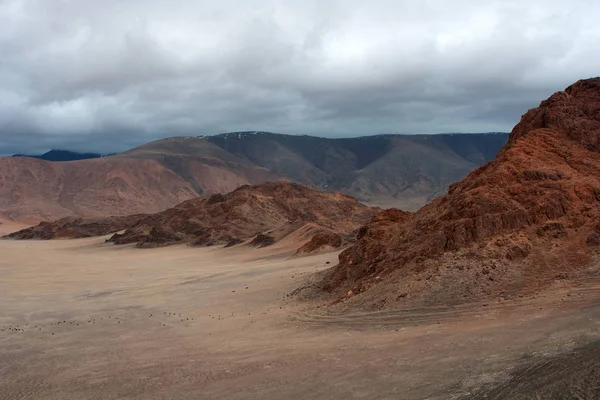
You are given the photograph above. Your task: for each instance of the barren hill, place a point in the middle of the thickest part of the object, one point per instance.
(404, 171)
(527, 220)
(401, 170)
(148, 179)
(265, 213)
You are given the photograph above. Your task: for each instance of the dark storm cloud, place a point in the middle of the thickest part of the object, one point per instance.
(108, 75)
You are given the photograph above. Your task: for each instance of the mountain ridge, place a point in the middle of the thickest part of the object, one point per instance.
(57, 155)
(385, 170)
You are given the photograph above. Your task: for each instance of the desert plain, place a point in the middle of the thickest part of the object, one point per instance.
(84, 319)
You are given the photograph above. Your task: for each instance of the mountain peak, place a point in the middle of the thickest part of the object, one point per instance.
(574, 112)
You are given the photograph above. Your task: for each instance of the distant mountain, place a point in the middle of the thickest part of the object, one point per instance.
(387, 170)
(62, 155)
(406, 171)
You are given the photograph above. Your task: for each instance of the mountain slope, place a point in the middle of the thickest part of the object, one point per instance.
(517, 224)
(403, 171)
(34, 190)
(148, 179)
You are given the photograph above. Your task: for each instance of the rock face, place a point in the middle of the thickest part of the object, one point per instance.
(266, 212)
(75, 228)
(519, 223)
(262, 240)
(322, 242)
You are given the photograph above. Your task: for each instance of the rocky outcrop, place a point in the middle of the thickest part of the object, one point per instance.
(511, 226)
(266, 213)
(262, 240)
(320, 242)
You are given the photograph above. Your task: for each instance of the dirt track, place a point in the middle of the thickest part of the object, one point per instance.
(182, 323)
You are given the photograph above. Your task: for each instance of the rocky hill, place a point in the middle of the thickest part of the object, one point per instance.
(264, 214)
(527, 220)
(389, 170)
(76, 228)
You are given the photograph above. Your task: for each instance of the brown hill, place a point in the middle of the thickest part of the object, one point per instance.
(76, 227)
(404, 171)
(526, 220)
(148, 179)
(266, 212)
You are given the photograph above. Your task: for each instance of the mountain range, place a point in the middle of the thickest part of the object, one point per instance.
(404, 171)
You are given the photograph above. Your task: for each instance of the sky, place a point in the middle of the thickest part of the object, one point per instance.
(107, 75)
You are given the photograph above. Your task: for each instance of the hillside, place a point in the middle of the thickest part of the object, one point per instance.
(400, 170)
(389, 170)
(265, 213)
(525, 221)
(148, 179)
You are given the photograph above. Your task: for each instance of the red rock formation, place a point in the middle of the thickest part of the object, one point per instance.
(274, 210)
(518, 223)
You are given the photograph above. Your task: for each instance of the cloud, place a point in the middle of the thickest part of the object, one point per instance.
(108, 75)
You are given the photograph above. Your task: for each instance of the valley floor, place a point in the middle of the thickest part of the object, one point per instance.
(82, 319)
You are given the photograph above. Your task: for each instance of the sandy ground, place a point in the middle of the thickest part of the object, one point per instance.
(82, 319)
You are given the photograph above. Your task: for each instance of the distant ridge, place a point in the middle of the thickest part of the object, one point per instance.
(404, 171)
(62, 155)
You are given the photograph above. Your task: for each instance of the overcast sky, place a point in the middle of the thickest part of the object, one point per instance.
(105, 75)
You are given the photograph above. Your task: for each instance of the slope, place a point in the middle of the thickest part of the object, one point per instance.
(525, 221)
(403, 170)
(147, 179)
